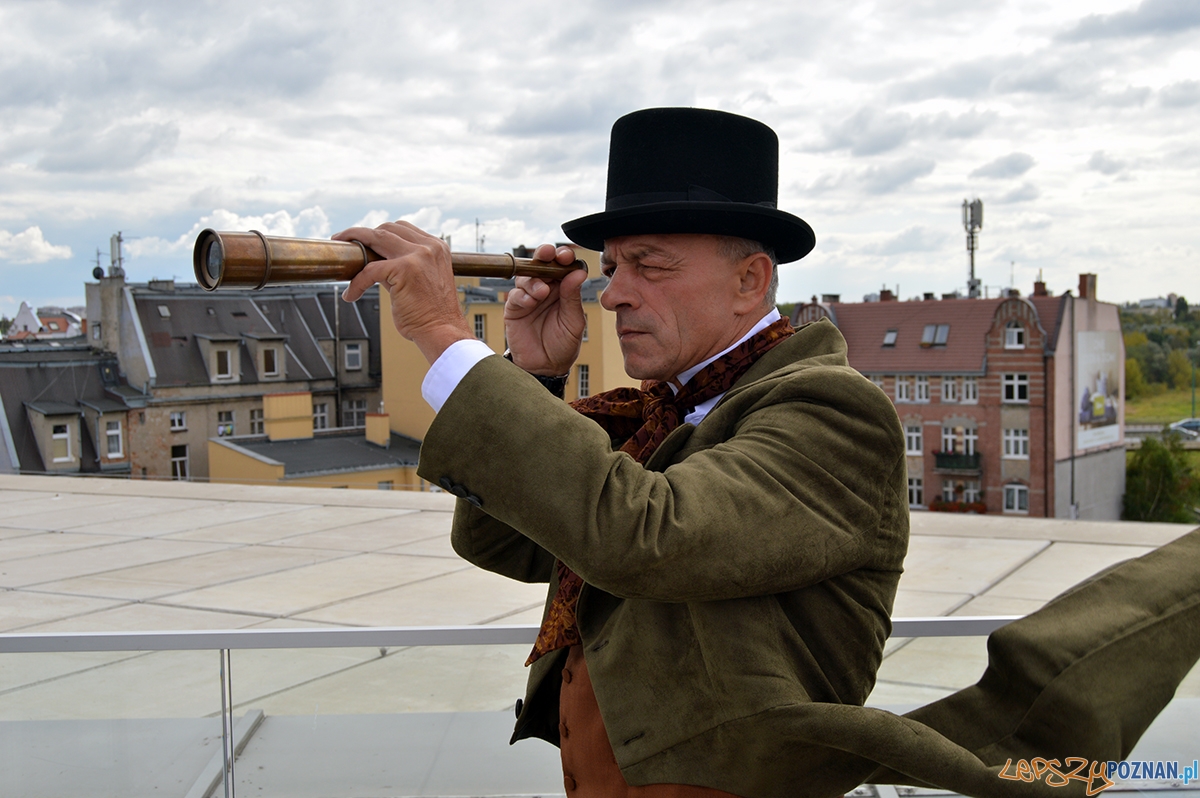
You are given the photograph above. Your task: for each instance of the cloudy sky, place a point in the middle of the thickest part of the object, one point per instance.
(1076, 123)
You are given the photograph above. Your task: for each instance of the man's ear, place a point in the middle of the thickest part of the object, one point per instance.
(754, 279)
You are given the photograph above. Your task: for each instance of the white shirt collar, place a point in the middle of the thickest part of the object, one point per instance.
(764, 322)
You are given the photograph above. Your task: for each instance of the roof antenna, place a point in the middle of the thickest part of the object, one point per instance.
(972, 214)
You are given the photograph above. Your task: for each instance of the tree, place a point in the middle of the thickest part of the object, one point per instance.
(1181, 308)
(1159, 485)
(1179, 369)
(1135, 383)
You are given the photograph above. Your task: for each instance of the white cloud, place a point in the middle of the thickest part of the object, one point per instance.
(1012, 165)
(308, 223)
(30, 246)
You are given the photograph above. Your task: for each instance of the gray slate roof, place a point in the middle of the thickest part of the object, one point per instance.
(334, 453)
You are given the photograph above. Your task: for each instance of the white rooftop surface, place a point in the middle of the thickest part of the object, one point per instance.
(88, 555)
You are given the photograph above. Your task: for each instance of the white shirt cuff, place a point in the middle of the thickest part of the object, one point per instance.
(448, 370)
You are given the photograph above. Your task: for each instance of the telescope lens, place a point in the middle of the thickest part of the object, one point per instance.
(214, 261)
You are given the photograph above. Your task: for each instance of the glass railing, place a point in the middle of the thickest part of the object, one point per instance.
(297, 711)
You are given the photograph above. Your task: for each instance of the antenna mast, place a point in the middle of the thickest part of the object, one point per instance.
(972, 213)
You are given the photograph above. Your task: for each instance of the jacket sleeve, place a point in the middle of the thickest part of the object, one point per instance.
(791, 497)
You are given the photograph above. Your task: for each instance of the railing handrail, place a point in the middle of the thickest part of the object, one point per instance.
(385, 636)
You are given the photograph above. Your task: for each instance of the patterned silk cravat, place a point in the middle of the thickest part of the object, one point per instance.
(643, 419)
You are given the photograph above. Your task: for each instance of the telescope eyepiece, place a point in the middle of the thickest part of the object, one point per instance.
(215, 261)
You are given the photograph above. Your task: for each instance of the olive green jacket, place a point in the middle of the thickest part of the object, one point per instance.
(750, 564)
(738, 589)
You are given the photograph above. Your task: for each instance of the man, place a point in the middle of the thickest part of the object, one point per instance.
(723, 547)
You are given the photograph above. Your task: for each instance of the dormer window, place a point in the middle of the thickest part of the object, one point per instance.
(353, 357)
(224, 364)
(889, 337)
(1014, 336)
(935, 335)
(270, 359)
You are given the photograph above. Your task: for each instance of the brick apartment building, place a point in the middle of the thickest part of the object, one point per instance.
(201, 363)
(1010, 405)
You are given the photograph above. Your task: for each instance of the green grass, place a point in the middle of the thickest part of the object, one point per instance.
(1162, 409)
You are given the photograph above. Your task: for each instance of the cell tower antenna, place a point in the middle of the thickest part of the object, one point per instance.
(972, 213)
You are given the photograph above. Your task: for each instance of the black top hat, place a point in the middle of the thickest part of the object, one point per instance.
(690, 170)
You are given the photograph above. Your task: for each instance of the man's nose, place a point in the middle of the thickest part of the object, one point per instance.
(617, 293)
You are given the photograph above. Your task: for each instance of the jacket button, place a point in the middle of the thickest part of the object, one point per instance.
(520, 706)
(473, 500)
(446, 484)
(566, 676)
(569, 783)
(563, 731)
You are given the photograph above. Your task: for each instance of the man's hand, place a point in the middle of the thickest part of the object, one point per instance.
(544, 321)
(417, 274)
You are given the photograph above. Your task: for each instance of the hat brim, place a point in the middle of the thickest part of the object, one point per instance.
(789, 236)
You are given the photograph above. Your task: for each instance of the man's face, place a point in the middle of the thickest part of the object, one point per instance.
(677, 301)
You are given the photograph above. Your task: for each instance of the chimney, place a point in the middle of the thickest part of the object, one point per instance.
(379, 429)
(1087, 286)
(831, 299)
(930, 296)
(1039, 287)
(886, 295)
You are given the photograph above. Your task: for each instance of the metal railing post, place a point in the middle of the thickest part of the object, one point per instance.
(227, 746)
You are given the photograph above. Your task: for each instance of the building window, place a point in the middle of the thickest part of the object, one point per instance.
(949, 440)
(949, 389)
(970, 440)
(96, 331)
(353, 357)
(971, 492)
(178, 420)
(1016, 387)
(922, 389)
(1016, 444)
(889, 337)
(877, 379)
(224, 423)
(354, 413)
(584, 378)
(256, 422)
(970, 390)
(270, 357)
(481, 326)
(224, 364)
(585, 331)
(179, 462)
(916, 492)
(60, 443)
(320, 415)
(112, 438)
(1016, 499)
(914, 440)
(903, 389)
(1014, 336)
(935, 335)
(387, 484)
(949, 494)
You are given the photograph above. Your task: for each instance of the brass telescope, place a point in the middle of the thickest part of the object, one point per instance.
(253, 260)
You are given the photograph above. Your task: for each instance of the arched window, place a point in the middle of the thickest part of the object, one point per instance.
(1014, 335)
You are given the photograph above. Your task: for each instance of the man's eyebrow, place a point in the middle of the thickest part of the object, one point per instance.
(637, 254)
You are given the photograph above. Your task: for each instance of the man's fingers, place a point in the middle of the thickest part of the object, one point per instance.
(565, 256)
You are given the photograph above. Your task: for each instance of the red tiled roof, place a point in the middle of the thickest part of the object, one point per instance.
(864, 324)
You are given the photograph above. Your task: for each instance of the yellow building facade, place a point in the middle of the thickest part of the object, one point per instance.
(600, 366)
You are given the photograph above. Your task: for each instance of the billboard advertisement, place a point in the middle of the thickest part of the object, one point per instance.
(1097, 388)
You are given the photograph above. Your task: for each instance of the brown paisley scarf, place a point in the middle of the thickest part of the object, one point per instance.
(643, 419)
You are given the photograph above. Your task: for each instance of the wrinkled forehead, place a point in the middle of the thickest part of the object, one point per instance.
(672, 247)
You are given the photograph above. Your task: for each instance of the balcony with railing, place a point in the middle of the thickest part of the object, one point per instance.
(957, 463)
(367, 659)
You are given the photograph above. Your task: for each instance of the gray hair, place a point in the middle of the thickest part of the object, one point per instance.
(736, 249)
